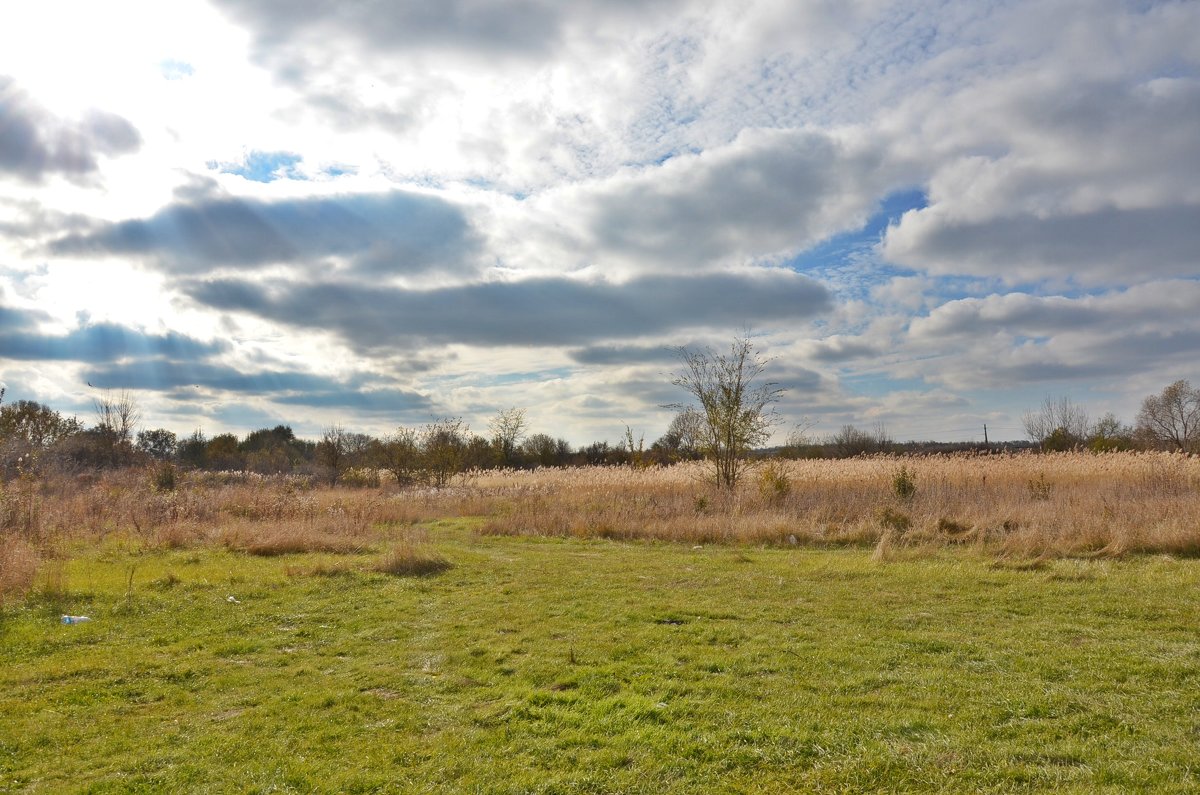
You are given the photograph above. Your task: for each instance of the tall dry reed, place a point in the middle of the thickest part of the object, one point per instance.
(1019, 505)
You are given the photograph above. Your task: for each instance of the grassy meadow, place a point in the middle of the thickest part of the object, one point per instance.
(1016, 623)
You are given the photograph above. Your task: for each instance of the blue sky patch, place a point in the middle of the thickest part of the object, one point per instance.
(263, 166)
(172, 69)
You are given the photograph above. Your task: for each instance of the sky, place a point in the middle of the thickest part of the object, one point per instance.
(929, 216)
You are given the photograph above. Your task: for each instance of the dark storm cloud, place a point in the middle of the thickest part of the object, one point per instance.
(396, 232)
(543, 311)
(99, 342)
(35, 143)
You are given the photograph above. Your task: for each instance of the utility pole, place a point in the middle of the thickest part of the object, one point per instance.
(985, 439)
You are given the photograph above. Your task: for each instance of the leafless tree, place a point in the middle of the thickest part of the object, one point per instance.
(686, 433)
(401, 455)
(1172, 417)
(508, 429)
(737, 406)
(117, 416)
(1059, 424)
(333, 451)
(443, 448)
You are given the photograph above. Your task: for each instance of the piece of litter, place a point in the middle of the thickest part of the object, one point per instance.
(75, 619)
(792, 540)
(234, 601)
(698, 547)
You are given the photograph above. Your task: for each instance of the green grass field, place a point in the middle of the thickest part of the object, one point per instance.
(592, 666)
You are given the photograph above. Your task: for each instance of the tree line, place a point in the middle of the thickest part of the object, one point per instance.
(731, 413)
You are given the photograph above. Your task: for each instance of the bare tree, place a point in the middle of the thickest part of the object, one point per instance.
(1059, 424)
(117, 416)
(851, 441)
(1172, 417)
(443, 448)
(333, 451)
(686, 433)
(508, 428)
(738, 412)
(401, 455)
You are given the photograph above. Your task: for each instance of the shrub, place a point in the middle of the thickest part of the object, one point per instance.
(904, 484)
(773, 482)
(163, 477)
(361, 478)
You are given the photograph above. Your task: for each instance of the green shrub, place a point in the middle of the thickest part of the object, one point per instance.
(773, 482)
(904, 484)
(163, 477)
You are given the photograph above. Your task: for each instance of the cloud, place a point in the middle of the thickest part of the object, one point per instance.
(1145, 332)
(34, 143)
(768, 193)
(98, 342)
(625, 354)
(482, 28)
(1061, 170)
(1109, 246)
(286, 387)
(1121, 311)
(382, 234)
(538, 312)
(837, 348)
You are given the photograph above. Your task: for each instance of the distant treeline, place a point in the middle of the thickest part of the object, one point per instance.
(35, 438)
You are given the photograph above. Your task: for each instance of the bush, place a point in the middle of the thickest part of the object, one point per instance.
(904, 484)
(360, 478)
(773, 482)
(163, 477)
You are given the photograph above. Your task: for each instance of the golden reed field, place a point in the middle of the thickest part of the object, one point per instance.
(1021, 508)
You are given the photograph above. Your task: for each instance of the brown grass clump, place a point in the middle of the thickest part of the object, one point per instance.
(322, 568)
(280, 538)
(407, 559)
(19, 563)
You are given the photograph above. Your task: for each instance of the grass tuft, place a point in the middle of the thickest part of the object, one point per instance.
(411, 560)
(290, 540)
(19, 564)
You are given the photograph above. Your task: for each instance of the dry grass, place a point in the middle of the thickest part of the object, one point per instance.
(407, 559)
(269, 539)
(1022, 506)
(1016, 507)
(19, 563)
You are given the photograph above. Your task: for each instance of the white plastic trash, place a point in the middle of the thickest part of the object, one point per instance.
(75, 619)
